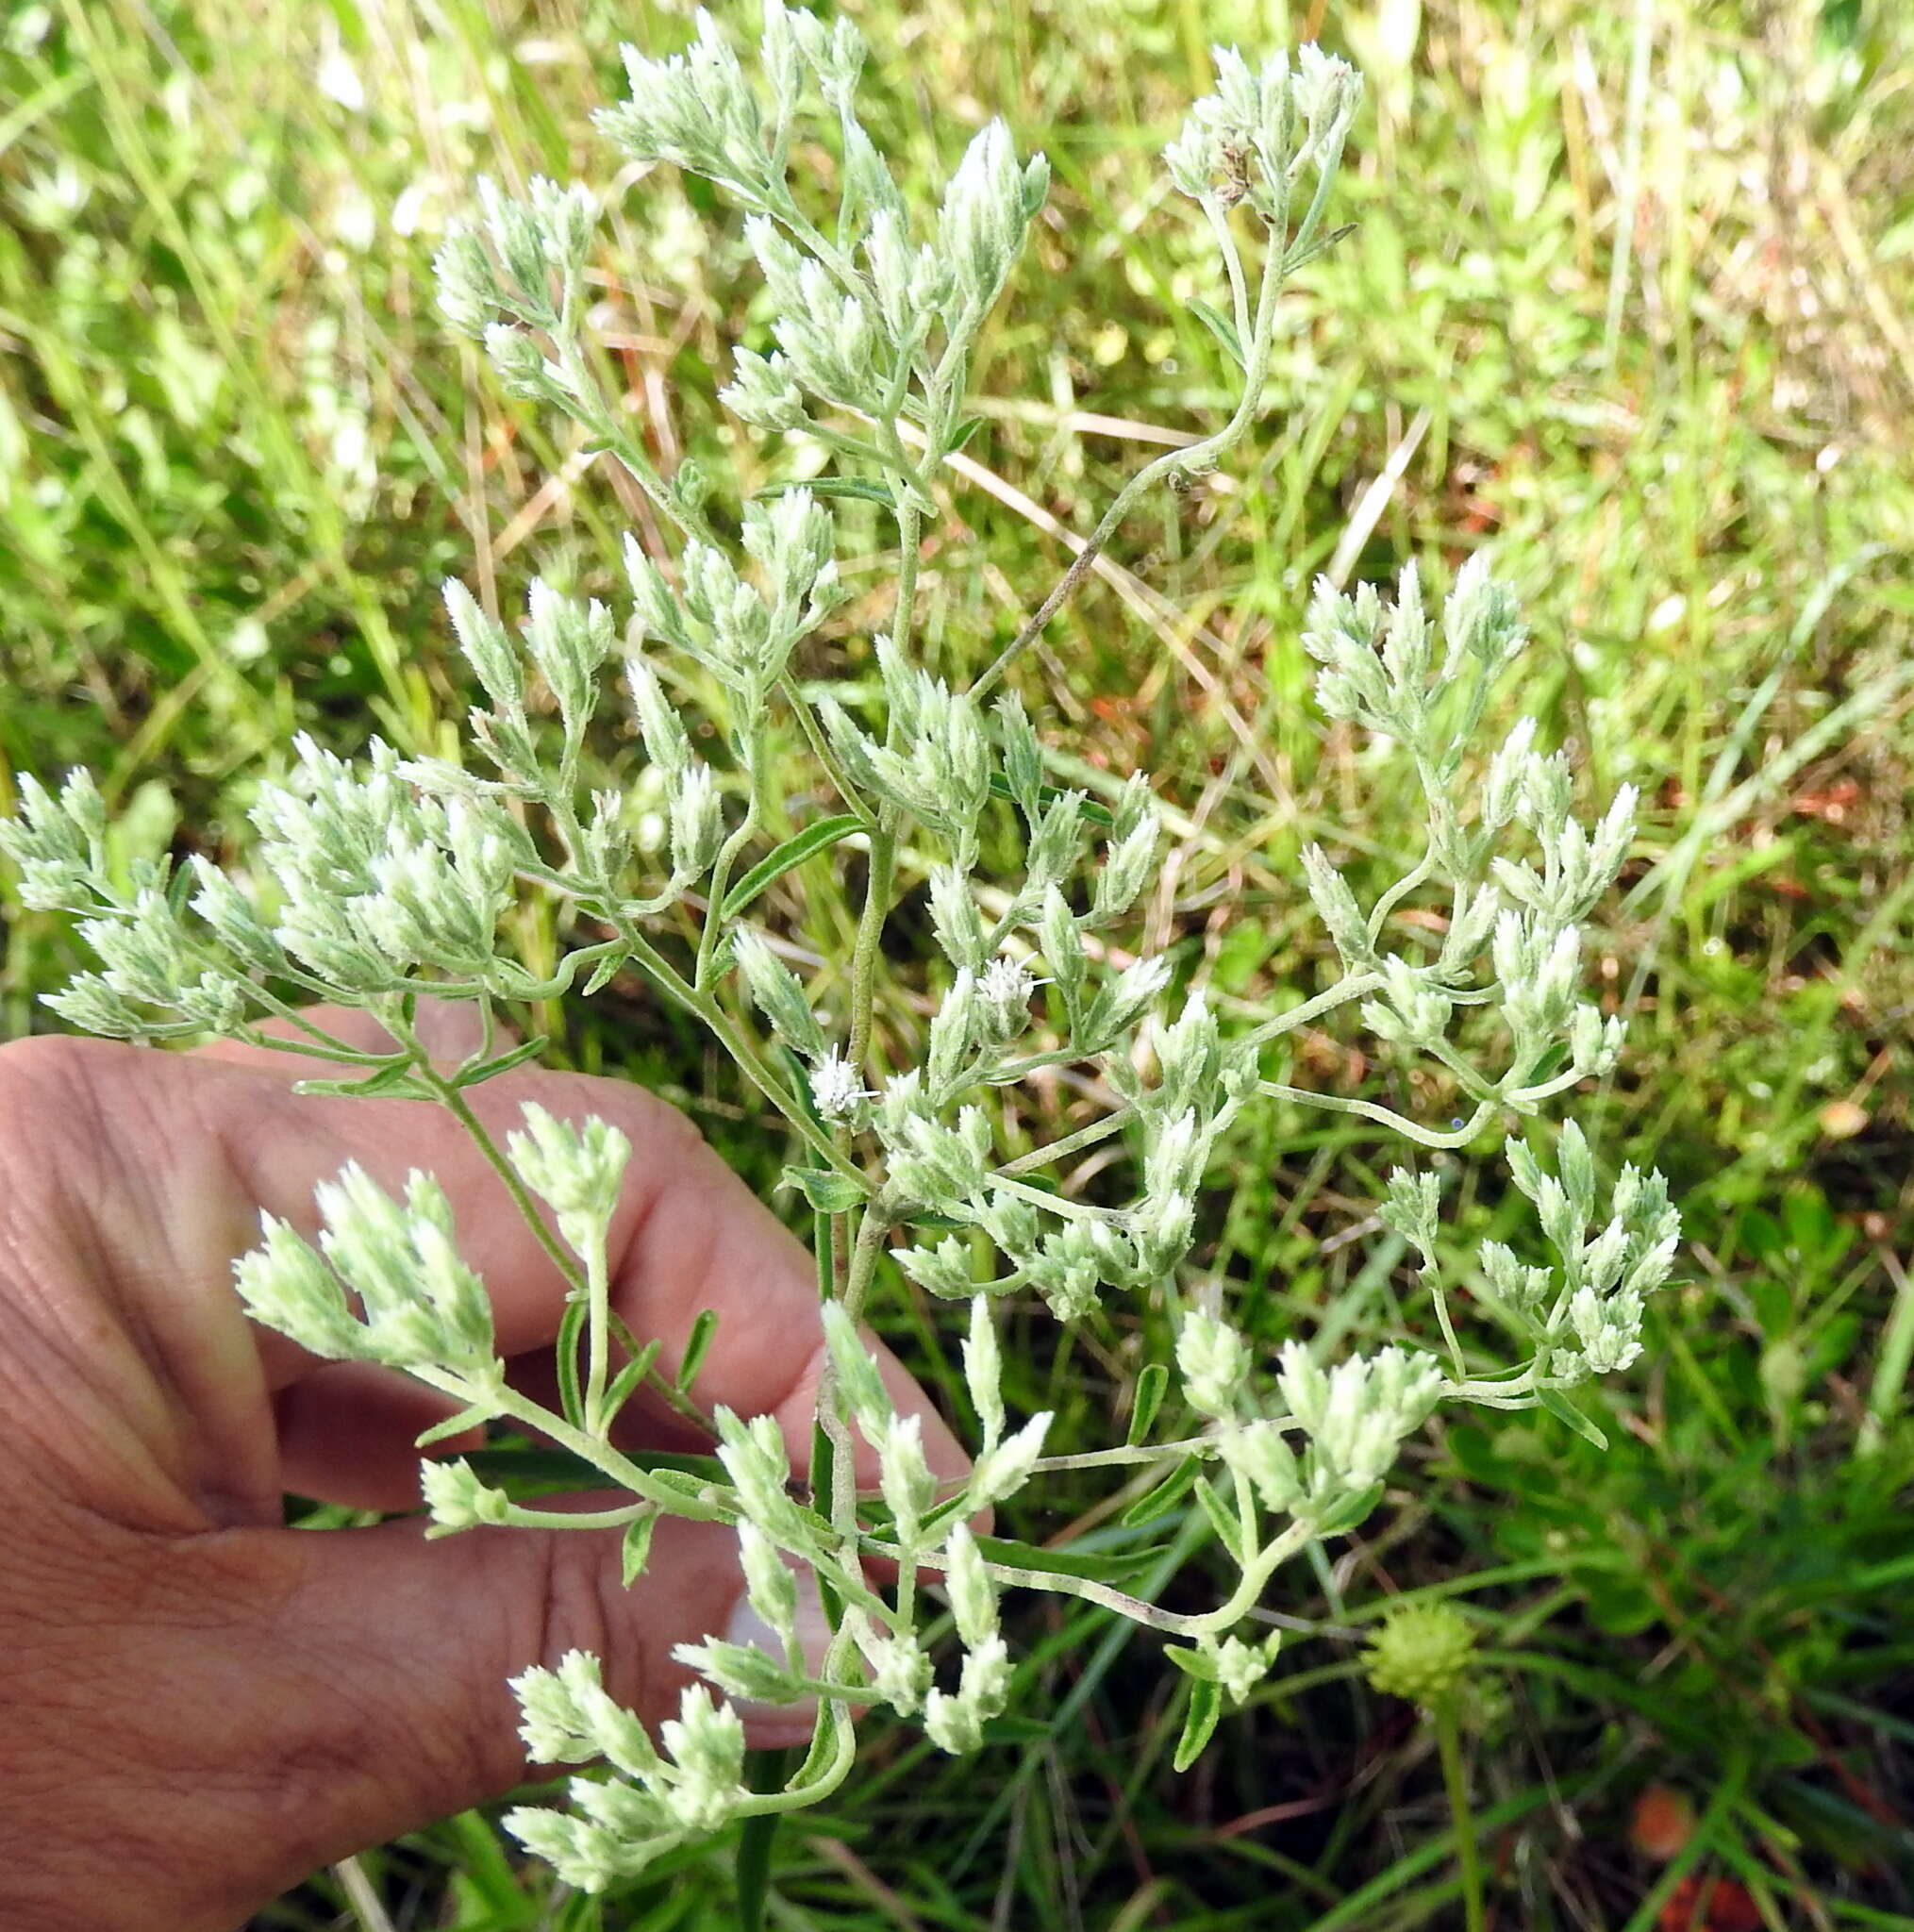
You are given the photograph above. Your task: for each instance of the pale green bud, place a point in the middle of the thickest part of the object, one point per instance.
(1061, 938)
(1336, 907)
(286, 1286)
(1422, 1654)
(943, 1270)
(457, 1498)
(741, 1670)
(775, 992)
(764, 394)
(1001, 1471)
(857, 1375)
(905, 1476)
(1121, 1001)
(1213, 1361)
(956, 921)
(1258, 1450)
(665, 741)
(697, 820)
(1412, 1209)
(706, 1742)
(769, 1581)
(578, 1168)
(1240, 1667)
(983, 1361)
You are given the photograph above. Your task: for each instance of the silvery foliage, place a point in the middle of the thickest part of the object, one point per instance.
(378, 882)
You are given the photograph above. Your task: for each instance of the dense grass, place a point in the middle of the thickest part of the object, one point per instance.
(1625, 299)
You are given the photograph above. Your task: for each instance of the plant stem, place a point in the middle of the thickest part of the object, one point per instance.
(576, 1280)
(1455, 1781)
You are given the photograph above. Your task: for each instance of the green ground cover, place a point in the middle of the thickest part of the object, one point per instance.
(1628, 299)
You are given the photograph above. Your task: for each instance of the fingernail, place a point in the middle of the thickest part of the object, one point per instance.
(772, 1726)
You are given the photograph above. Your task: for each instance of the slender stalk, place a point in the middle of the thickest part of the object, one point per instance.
(1455, 1782)
(1192, 460)
(1206, 1624)
(576, 1279)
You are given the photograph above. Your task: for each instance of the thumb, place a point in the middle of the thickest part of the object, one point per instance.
(414, 1642)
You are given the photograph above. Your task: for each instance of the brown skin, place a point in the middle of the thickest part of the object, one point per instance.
(198, 1705)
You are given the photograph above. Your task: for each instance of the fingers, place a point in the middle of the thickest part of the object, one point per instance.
(343, 1690)
(348, 1434)
(179, 1155)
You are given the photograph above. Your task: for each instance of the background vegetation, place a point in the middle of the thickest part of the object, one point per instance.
(1627, 298)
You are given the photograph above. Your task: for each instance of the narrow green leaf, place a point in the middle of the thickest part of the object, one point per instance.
(1093, 813)
(1151, 1384)
(392, 1081)
(603, 975)
(624, 1384)
(1192, 1663)
(1564, 1410)
(819, 836)
(1096, 1565)
(636, 1551)
(1350, 1513)
(823, 1743)
(470, 1074)
(565, 1354)
(1222, 1520)
(1221, 328)
(475, 1417)
(702, 1331)
(828, 1191)
(835, 486)
(965, 430)
(1206, 1706)
(1164, 1497)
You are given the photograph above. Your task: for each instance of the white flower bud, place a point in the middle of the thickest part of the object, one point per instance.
(1213, 1361)
(457, 1498)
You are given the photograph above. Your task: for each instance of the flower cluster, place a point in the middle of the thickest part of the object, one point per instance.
(380, 881)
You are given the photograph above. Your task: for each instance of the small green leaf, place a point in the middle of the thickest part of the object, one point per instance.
(827, 1190)
(836, 486)
(603, 975)
(819, 836)
(1221, 328)
(392, 1081)
(1206, 1706)
(1095, 1565)
(472, 1418)
(1194, 1663)
(1564, 1410)
(471, 1074)
(636, 1550)
(1148, 1400)
(1224, 1521)
(824, 1744)
(1350, 1513)
(624, 1384)
(565, 1354)
(696, 1349)
(1093, 813)
(1164, 1497)
(965, 430)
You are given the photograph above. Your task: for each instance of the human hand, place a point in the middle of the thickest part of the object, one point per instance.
(198, 1706)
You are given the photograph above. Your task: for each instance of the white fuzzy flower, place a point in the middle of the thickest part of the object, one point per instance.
(836, 1090)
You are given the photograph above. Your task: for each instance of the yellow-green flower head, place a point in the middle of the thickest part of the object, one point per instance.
(1422, 1654)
